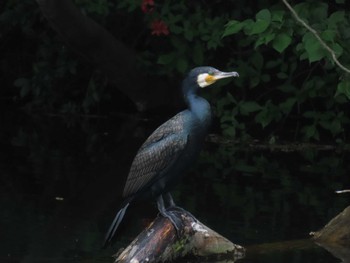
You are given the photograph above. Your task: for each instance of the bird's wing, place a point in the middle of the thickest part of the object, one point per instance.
(175, 125)
(157, 154)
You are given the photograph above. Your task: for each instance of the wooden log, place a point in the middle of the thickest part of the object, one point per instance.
(338, 251)
(160, 242)
(337, 231)
(335, 236)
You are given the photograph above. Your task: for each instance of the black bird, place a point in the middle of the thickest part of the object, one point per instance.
(171, 148)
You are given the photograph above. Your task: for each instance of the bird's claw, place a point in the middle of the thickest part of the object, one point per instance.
(173, 216)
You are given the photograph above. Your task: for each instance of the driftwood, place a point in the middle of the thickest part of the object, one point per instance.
(335, 236)
(160, 242)
(337, 231)
(338, 251)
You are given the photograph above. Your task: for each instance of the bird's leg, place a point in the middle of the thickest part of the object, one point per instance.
(174, 219)
(174, 206)
(170, 200)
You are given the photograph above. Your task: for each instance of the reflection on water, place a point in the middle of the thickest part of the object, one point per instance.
(61, 180)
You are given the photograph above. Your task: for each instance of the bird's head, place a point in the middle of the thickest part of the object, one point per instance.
(201, 77)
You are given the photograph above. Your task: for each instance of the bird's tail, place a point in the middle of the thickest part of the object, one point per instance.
(116, 222)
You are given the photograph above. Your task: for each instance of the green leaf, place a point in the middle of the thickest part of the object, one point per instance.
(281, 42)
(263, 118)
(313, 48)
(277, 15)
(319, 10)
(264, 38)
(343, 88)
(259, 26)
(247, 26)
(337, 49)
(229, 131)
(232, 27)
(166, 59)
(287, 105)
(226, 118)
(248, 107)
(336, 18)
(329, 35)
(334, 126)
(263, 20)
(310, 132)
(263, 14)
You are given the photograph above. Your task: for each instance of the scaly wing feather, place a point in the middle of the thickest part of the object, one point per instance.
(157, 154)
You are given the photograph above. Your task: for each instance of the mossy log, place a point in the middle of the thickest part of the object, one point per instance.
(160, 242)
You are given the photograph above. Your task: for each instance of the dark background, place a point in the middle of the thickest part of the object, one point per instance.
(83, 83)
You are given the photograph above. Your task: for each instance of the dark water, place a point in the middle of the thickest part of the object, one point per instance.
(61, 180)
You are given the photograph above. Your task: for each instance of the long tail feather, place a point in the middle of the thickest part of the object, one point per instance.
(116, 222)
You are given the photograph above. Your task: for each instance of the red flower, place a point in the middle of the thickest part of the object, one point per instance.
(159, 28)
(147, 6)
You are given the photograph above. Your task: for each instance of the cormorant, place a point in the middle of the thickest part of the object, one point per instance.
(171, 148)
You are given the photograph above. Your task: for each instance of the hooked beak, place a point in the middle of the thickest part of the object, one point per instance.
(205, 79)
(222, 75)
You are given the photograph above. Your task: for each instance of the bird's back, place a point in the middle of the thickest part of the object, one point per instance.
(169, 150)
(158, 153)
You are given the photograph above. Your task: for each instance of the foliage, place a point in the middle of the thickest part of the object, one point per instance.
(301, 78)
(289, 87)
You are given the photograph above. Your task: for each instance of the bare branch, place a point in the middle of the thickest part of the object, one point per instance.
(342, 191)
(314, 32)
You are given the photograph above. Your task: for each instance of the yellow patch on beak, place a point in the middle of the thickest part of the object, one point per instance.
(206, 79)
(210, 79)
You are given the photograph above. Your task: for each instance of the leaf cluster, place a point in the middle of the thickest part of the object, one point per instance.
(303, 88)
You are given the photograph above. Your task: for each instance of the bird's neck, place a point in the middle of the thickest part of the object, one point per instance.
(198, 106)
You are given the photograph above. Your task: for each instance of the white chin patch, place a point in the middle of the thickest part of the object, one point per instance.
(201, 80)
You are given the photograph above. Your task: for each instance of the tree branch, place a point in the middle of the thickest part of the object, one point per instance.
(314, 32)
(113, 57)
